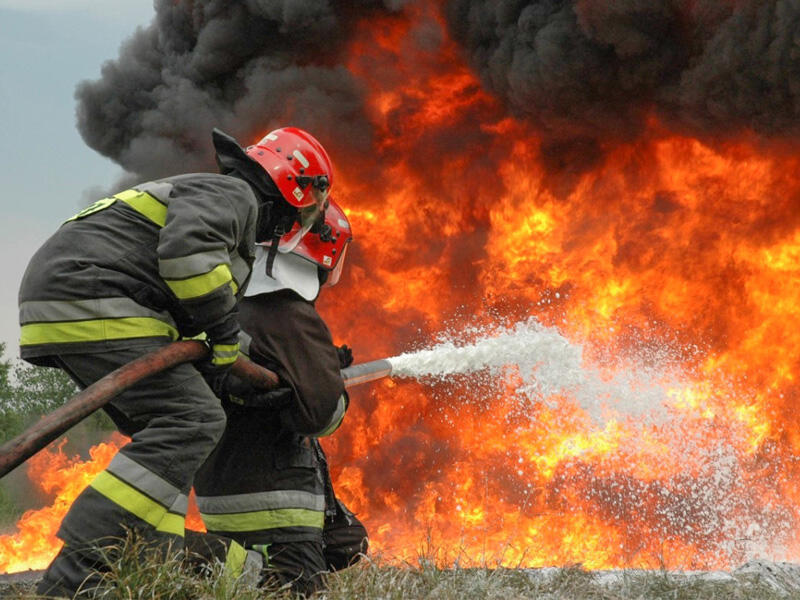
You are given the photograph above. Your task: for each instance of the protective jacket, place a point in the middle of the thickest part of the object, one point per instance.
(264, 481)
(162, 260)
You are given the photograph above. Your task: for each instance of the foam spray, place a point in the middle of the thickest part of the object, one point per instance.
(548, 365)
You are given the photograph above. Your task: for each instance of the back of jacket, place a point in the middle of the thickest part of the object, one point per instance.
(265, 482)
(162, 260)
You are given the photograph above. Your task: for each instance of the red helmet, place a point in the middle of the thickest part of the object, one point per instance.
(303, 172)
(328, 246)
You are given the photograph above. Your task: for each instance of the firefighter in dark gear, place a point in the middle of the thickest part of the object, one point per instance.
(266, 485)
(133, 272)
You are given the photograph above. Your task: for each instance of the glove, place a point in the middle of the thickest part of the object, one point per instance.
(223, 342)
(241, 392)
(271, 400)
(345, 356)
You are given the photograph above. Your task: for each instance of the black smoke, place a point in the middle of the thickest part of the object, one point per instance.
(586, 73)
(242, 66)
(587, 70)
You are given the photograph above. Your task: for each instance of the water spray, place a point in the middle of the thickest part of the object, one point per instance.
(546, 359)
(545, 365)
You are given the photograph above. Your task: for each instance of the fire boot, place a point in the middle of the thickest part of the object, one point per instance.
(67, 574)
(204, 550)
(344, 538)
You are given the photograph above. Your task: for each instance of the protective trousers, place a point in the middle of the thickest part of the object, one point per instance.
(304, 565)
(174, 421)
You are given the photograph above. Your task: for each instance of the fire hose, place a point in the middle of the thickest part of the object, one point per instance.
(19, 449)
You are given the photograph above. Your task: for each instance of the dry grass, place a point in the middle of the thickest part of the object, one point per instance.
(138, 573)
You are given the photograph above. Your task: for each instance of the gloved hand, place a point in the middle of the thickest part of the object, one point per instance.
(223, 342)
(242, 392)
(271, 400)
(345, 356)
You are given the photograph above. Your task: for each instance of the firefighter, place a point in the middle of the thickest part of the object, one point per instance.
(133, 272)
(266, 485)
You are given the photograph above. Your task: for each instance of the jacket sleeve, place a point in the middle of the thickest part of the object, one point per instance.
(285, 333)
(210, 224)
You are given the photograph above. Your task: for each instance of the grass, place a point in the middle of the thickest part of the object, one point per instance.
(10, 510)
(138, 572)
(393, 583)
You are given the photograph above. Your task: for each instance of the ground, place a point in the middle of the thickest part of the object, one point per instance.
(758, 579)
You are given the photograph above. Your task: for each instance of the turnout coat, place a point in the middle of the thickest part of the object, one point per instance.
(159, 261)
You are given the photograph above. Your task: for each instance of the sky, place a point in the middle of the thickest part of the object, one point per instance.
(48, 173)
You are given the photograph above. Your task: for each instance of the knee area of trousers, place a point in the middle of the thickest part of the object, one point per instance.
(209, 421)
(215, 421)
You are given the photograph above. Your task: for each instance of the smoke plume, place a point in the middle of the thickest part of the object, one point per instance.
(592, 69)
(242, 66)
(586, 73)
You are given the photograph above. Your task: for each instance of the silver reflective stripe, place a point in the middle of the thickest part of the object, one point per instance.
(159, 190)
(244, 343)
(272, 500)
(144, 480)
(194, 264)
(181, 505)
(336, 419)
(240, 270)
(43, 311)
(251, 570)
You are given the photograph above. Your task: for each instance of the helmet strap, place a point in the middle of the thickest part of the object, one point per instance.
(273, 251)
(322, 275)
(263, 232)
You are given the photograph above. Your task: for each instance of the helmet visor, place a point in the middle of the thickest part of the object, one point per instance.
(307, 217)
(336, 273)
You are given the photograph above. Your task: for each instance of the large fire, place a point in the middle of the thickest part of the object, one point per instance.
(674, 253)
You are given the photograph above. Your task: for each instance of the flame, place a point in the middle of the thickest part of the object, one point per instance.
(34, 544)
(672, 254)
(671, 251)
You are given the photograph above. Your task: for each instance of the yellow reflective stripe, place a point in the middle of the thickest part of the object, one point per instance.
(234, 560)
(200, 285)
(227, 349)
(223, 361)
(141, 202)
(145, 204)
(225, 354)
(264, 519)
(132, 500)
(200, 337)
(127, 195)
(95, 330)
(172, 523)
(92, 208)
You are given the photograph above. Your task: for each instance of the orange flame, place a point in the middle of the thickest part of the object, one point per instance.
(670, 254)
(34, 544)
